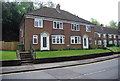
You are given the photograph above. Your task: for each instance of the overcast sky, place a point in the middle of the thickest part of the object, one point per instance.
(102, 10)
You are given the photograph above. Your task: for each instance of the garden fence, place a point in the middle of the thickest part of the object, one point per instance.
(8, 45)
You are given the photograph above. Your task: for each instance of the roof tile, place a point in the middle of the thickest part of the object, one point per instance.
(53, 13)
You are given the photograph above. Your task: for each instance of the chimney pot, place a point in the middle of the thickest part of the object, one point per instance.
(58, 7)
(101, 25)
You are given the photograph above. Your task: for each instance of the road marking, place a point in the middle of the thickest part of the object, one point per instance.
(89, 74)
(62, 67)
(90, 63)
(21, 73)
(95, 72)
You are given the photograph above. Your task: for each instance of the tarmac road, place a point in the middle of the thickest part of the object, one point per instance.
(100, 70)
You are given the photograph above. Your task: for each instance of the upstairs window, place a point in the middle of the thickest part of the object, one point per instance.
(110, 35)
(35, 39)
(57, 25)
(118, 36)
(58, 39)
(114, 36)
(104, 35)
(88, 29)
(75, 27)
(38, 22)
(75, 40)
(99, 35)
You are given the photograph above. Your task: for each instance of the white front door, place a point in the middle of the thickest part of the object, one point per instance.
(45, 41)
(85, 42)
(105, 43)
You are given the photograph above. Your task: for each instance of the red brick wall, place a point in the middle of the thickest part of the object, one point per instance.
(30, 30)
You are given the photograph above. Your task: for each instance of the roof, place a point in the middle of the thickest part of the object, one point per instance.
(61, 14)
(106, 30)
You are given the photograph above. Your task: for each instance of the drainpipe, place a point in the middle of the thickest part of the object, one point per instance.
(24, 33)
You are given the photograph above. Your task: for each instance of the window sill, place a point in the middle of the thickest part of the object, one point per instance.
(75, 44)
(88, 31)
(75, 30)
(58, 44)
(35, 43)
(37, 27)
(57, 29)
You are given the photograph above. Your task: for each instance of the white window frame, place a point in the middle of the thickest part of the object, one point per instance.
(55, 37)
(104, 35)
(88, 27)
(115, 42)
(75, 27)
(118, 36)
(60, 25)
(35, 37)
(73, 38)
(118, 42)
(99, 42)
(99, 35)
(114, 36)
(38, 20)
(110, 35)
(110, 42)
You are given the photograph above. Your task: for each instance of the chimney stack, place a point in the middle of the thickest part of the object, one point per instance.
(58, 7)
(102, 25)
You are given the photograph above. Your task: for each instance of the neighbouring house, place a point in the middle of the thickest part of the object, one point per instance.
(55, 29)
(106, 36)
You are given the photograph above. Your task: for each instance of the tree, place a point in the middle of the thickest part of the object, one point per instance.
(49, 4)
(94, 21)
(12, 13)
(112, 24)
(25, 7)
(11, 17)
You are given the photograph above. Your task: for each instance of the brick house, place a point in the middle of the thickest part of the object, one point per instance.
(106, 36)
(55, 29)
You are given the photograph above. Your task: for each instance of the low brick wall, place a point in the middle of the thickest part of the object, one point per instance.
(116, 52)
(11, 62)
(57, 59)
(70, 58)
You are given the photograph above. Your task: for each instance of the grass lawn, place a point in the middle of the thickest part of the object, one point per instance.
(8, 55)
(115, 49)
(11, 55)
(48, 54)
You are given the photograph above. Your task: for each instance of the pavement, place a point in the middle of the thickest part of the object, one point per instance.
(107, 69)
(33, 67)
